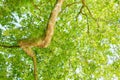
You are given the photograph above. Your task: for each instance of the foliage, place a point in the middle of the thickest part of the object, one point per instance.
(73, 53)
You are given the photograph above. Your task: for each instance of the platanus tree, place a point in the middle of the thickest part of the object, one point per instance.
(85, 44)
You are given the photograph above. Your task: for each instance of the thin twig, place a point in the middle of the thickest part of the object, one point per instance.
(80, 12)
(68, 5)
(9, 46)
(35, 67)
(88, 27)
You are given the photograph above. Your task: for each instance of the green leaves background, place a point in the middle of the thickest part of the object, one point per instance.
(73, 53)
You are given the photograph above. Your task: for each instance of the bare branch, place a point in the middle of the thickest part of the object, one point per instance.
(81, 12)
(27, 45)
(7, 46)
(68, 5)
(30, 53)
(51, 24)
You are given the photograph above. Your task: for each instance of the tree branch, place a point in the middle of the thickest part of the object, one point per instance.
(81, 12)
(7, 46)
(30, 53)
(68, 5)
(51, 24)
(50, 29)
(27, 45)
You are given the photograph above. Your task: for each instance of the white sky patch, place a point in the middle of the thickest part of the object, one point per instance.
(58, 18)
(22, 59)
(78, 70)
(68, 23)
(36, 23)
(24, 37)
(29, 13)
(79, 18)
(112, 59)
(101, 78)
(2, 53)
(38, 0)
(89, 61)
(113, 48)
(17, 25)
(16, 17)
(24, 15)
(2, 27)
(1, 4)
(116, 5)
(66, 10)
(17, 20)
(92, 75)
(114, 77)
(42, 19)
(9, 68)
(65, 30)
(69, 79)
(104, 41)
(10, 55)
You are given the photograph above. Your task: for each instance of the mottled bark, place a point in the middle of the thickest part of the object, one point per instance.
(27, 45)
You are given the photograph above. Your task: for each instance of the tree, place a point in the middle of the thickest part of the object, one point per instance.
(85, 44)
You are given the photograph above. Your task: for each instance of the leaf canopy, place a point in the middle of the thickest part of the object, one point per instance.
(73, 54)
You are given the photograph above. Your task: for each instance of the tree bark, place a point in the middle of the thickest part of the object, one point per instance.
(26, 45)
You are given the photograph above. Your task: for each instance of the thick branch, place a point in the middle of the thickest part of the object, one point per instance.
(51, 24)
(26, 46)
(30, 53)
(50, 28)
